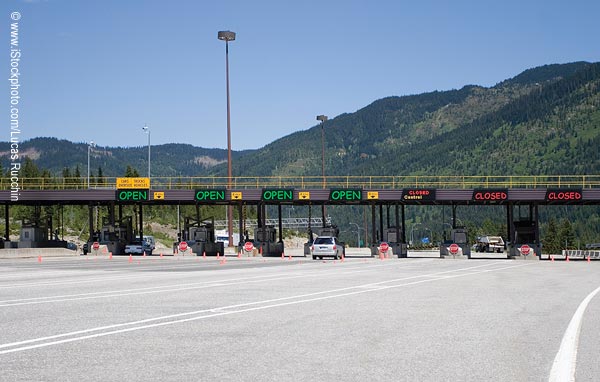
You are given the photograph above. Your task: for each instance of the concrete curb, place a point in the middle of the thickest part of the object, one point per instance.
(25, 253)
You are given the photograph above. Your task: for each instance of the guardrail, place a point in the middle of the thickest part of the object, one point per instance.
(313, 182)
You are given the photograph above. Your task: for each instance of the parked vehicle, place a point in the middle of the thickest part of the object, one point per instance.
(138, 247)
(326, 246)
(489, 244)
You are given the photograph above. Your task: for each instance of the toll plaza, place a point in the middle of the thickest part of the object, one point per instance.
(387, 209)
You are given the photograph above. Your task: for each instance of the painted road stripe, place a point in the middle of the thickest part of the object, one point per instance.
(563, 368)
(236, 309)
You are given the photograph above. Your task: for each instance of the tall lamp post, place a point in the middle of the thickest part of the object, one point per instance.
(228, 36)
(322, 118)
(147, 130)
(90, 145)
(357, 233)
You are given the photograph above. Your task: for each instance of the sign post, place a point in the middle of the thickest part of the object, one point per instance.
(248, 247)
(525, 250)
(183, 246)
(453, 249)
(383, 249)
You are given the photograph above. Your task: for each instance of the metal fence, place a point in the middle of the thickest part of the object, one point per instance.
(315, 182)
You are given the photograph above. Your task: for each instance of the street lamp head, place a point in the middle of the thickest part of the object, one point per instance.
(321, 118)
(91, 144)
(226, 35)
(146, 128)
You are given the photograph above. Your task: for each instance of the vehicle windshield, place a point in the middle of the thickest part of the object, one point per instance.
(324, 240)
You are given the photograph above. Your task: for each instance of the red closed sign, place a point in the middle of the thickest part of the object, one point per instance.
(525, 249)
(248, 246)
(183, 246)
(453, 248)
(96, 245)
(384, 246)
(563, 194)
(490, 195)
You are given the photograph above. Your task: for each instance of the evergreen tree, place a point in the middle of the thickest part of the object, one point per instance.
(100, 176)
(130, 172)
(66, 173)
(567, 235)
(551, 239)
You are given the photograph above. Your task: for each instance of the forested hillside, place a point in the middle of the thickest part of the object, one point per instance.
(545, 120)
(174, 159)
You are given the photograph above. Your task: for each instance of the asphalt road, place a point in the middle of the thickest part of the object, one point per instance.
(273, 319)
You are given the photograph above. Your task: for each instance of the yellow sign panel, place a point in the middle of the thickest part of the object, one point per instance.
(159, 195)
(236, 195)
(304, 195)
(133, 183)
(373, 195)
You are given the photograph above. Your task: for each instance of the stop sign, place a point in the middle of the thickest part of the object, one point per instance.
(384, 246)
(248, 246)
(95, 245)
(525, 249)
(183, 246)
(453, 248)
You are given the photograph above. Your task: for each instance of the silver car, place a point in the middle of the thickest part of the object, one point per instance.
(326, 246)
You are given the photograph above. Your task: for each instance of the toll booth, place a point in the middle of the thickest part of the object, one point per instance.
(200, 237)
(460, 237)
(523, 231)
(393, 236)
(115, 234)
(392, 233)
(265, 236)
(265, 241)
(38, 233)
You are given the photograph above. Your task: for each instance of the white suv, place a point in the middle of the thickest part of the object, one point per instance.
(326, 246)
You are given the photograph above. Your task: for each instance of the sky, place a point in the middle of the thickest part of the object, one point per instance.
(101, 70)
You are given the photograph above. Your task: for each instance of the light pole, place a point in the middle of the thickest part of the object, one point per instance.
(412, 230)
(357, 233)
(228, 36)
(90, 145)
(322, 118)
(147, 130)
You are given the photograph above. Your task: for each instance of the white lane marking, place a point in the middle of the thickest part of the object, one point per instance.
(190, 286)
(164, 289)
(563, 367)
(123, 274)
(232, 309)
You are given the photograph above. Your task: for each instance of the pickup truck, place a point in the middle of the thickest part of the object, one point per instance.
(489, 244)
(140, 247)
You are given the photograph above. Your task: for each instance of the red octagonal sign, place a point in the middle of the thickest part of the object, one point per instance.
(453, 248)
(248, 246)
(183, 246)
(525, 249)
(95, 245)
(384, 246)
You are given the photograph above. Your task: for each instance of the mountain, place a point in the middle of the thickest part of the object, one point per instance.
(545, 120)
(171, 159)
